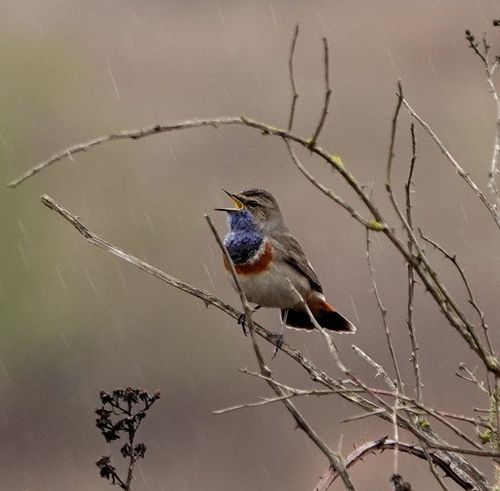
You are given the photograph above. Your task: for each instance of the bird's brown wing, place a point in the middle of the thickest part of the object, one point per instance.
(293, 254)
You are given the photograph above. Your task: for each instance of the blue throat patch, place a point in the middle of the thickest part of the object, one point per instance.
(243, 241)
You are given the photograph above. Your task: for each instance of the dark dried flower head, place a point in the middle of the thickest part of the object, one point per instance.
(399, 484)
(126, 450)
(121, 413)
(131, 396)
(105, 397)
(106, 469)
(140, 450)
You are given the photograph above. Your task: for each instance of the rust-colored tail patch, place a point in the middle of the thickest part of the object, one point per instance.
(326, 316)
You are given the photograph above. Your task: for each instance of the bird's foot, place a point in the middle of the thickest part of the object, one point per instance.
(243, 324)
(242, 319)
(277, 339)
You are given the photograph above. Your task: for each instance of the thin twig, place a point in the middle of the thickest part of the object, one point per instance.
(379, 369)
(433, 469)
(490, 68)
(469, 376)
(328, 93)
(419, 386)
(438, 289)
(295, 94)
(383, 312)
(460, 170)
(461, 417)
(271, 400)
(453, 259)
(395, 393)
(328, 192)
(420, 263)
(357, 417)
(394, 410)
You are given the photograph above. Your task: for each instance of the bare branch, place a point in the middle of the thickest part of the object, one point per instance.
(270, 400)
(387, 444)
(419, 386)
(421, 265)
(383, 312)
(357, 417)
(490, 68)
(295, 94)
(328, 93)
(469, 376)
(379, 369)
(433, 469)
(461, 172)
(395, 388)
(328, 192)
(453, 259)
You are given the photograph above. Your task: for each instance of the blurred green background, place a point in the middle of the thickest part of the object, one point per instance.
(75, 320)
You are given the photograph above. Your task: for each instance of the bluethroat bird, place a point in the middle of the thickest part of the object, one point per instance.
(268, 259)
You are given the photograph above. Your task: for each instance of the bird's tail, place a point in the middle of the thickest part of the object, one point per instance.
(326, 316)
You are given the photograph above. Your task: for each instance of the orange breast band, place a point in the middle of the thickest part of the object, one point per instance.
(263, 263)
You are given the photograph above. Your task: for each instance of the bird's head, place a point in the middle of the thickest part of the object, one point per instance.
(257, 205)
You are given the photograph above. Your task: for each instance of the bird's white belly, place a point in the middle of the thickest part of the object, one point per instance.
(271, 288)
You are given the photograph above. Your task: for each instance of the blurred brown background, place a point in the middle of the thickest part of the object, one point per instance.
(74, 320)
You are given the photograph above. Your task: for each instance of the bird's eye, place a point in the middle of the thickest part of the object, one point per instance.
(252, 204)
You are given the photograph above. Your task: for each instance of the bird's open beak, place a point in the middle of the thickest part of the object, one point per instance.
(238, 204)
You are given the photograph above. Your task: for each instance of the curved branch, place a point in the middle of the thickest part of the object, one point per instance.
(385, 443)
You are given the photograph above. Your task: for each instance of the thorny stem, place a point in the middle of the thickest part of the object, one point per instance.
(385, 443)
(419, 386)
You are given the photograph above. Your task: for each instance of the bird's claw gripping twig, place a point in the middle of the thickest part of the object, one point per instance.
(242, 319)
(278, 339)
